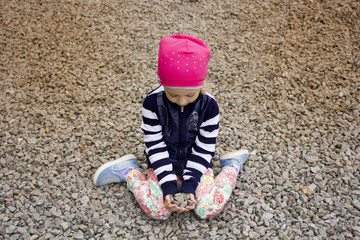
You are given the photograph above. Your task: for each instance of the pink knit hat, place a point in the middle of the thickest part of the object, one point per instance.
(183, 61)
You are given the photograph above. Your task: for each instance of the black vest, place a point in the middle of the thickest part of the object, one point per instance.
(181, 128)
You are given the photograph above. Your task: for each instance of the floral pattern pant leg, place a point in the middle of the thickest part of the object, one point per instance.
(148, 194)
(213, 194)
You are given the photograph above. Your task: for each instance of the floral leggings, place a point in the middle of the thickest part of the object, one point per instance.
(211, 194)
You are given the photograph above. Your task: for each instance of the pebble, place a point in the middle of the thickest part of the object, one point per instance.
(168, 230)
(254, 235)
(10, 229)
(236, 231)
(64, 225)
(356, 203)
(182, 200)
(79, 235)
(12, 209)
(146, 228)
(267, 216)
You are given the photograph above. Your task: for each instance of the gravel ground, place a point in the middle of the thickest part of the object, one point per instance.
(286, 75)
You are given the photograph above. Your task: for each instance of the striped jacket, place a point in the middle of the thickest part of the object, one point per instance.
(179, 141)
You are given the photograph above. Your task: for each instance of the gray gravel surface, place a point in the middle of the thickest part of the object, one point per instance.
(73, 75)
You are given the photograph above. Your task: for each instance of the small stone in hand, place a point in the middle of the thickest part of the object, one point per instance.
(182, 200)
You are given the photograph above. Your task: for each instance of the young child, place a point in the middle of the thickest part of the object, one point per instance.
(180, 125)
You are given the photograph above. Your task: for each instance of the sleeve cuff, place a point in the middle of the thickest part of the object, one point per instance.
(189, 186)
(169, 188)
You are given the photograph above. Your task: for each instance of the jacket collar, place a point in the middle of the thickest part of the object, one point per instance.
(175, 106)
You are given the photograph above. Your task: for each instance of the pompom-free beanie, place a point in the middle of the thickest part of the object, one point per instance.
(183, 61)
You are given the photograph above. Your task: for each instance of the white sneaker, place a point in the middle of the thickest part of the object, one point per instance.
(114, 171)
(237, 158)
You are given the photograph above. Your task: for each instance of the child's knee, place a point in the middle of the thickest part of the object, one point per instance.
(157, 210)
(200, 216)
(205, 212)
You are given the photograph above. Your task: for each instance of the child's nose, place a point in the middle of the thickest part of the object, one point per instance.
(182, 102)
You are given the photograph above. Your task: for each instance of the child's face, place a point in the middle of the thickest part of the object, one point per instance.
(181, 96)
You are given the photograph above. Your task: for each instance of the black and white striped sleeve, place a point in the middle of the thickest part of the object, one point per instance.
(156, 148)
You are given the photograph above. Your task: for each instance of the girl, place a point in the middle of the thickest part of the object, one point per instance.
(180, 125)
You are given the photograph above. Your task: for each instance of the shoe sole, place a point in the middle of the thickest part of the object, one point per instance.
(106, 165)
(233, 154)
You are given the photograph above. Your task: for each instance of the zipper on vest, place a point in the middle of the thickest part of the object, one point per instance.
(182, 133)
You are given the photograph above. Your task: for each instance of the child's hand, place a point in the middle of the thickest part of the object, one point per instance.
(169, 199)
(192, 206)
